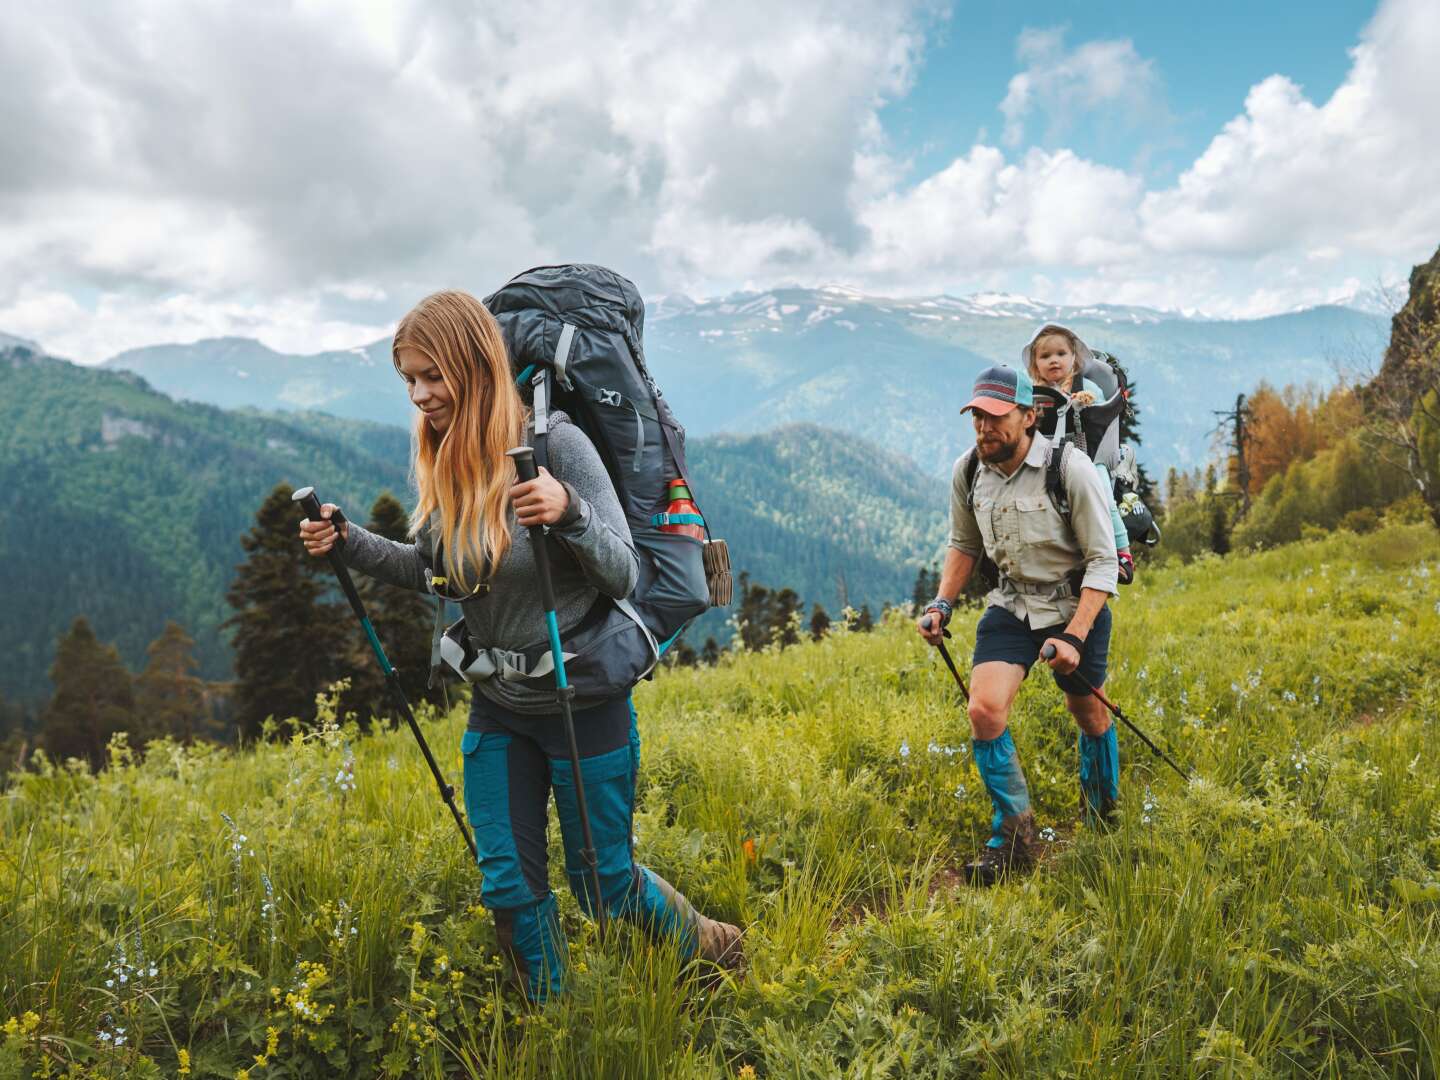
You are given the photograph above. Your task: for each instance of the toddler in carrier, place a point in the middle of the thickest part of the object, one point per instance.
(1056, 358)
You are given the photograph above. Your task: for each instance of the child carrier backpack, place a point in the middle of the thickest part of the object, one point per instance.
(1096, 431)
(574, 334)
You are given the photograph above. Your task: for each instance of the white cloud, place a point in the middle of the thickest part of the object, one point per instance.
(1359, 171)
(302, 173)
(224, 149)
(299, 323)
(981, 212)
(1063, 82)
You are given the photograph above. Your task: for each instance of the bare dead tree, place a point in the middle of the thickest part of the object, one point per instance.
(1237, 422)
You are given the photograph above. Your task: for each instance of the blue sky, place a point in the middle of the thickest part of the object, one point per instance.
(303, 173)
(1207, 57)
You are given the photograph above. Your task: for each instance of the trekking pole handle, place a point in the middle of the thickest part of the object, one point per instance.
(928, 622)
(525, 471)
(310, 503)
(524, 459)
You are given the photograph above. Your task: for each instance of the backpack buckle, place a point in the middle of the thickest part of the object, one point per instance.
(609, 397)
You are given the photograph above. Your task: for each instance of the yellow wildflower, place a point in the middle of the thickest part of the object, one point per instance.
(747, 1072)
(183, 1062)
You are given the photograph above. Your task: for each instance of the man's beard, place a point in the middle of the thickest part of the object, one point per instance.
(1000, 453)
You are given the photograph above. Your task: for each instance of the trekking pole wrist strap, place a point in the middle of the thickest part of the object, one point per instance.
(944, 607)
(1070, 639)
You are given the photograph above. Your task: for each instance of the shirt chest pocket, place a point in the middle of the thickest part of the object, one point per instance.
(1037, 520)
(985, 519)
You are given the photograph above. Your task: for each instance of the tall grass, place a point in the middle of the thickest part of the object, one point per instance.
(264, 911)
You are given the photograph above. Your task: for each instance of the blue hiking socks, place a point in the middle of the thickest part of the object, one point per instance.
(532, 941)
(1099, 774)
(1000, 769)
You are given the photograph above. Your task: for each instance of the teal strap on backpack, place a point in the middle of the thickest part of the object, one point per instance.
(677, 519)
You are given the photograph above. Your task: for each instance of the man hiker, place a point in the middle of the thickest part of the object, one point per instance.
(1046, 527)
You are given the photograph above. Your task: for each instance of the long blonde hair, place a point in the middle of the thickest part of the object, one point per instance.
(464, 473)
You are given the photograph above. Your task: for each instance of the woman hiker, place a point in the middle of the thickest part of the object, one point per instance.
(1056, 573)
(471, 545)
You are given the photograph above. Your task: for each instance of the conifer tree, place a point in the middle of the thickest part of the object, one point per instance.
(865, 621)
(681, 654)
(920, 593)
(819, 622)
(1130, 433)
(756, 616)
(403, 620)
(710, 654)
(784, 626)
(169, 697)
(289, 637)
(93, 697)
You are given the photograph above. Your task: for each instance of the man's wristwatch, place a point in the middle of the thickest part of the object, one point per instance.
(944, 607)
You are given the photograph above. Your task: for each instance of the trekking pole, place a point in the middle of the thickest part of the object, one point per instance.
(945, 653)
(525, 471)
(311, 505)
(1049, 651)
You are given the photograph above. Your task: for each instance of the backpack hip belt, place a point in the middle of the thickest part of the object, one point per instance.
(1066, 589)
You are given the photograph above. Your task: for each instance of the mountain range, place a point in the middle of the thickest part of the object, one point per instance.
(892, 371)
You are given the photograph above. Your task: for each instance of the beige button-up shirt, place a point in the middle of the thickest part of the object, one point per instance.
(1017, 525)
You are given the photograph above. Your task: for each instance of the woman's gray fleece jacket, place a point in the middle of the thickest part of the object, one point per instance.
(510, 616)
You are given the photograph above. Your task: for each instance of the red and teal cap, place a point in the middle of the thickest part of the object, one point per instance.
(1000, 389)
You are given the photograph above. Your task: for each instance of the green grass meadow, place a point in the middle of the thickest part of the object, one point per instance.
(307, 909)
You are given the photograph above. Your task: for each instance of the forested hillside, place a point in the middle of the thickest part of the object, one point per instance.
(127, 507)
(123, 506)
(806, 508)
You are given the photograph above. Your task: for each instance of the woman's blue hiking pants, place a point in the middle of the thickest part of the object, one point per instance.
(512, 764)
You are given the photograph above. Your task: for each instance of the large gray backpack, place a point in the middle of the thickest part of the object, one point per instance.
(574, 334)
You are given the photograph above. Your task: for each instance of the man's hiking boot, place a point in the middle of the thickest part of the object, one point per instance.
(993, 865)
(1015, 856)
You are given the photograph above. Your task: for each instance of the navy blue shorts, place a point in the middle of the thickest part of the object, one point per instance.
(1001, 636)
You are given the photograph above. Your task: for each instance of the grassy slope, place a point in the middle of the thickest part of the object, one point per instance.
(1278, 917)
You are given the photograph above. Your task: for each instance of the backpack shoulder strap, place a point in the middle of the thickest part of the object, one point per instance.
(1055, 478)
(972, 466)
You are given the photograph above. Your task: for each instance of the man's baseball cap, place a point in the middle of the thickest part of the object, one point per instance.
(1000, 389)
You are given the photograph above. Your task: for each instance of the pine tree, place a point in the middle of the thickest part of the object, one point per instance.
(927, 586)
(94, 697)
(1219, 525)
(710, 654)
(403, 621)
(785, 624)
(169, 698)
(757, 614)
(865, 621)
(288, 637)
(819, 622)
(1130, 433)
(681, 654)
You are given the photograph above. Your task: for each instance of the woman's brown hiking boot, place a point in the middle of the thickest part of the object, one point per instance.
(719, 943)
